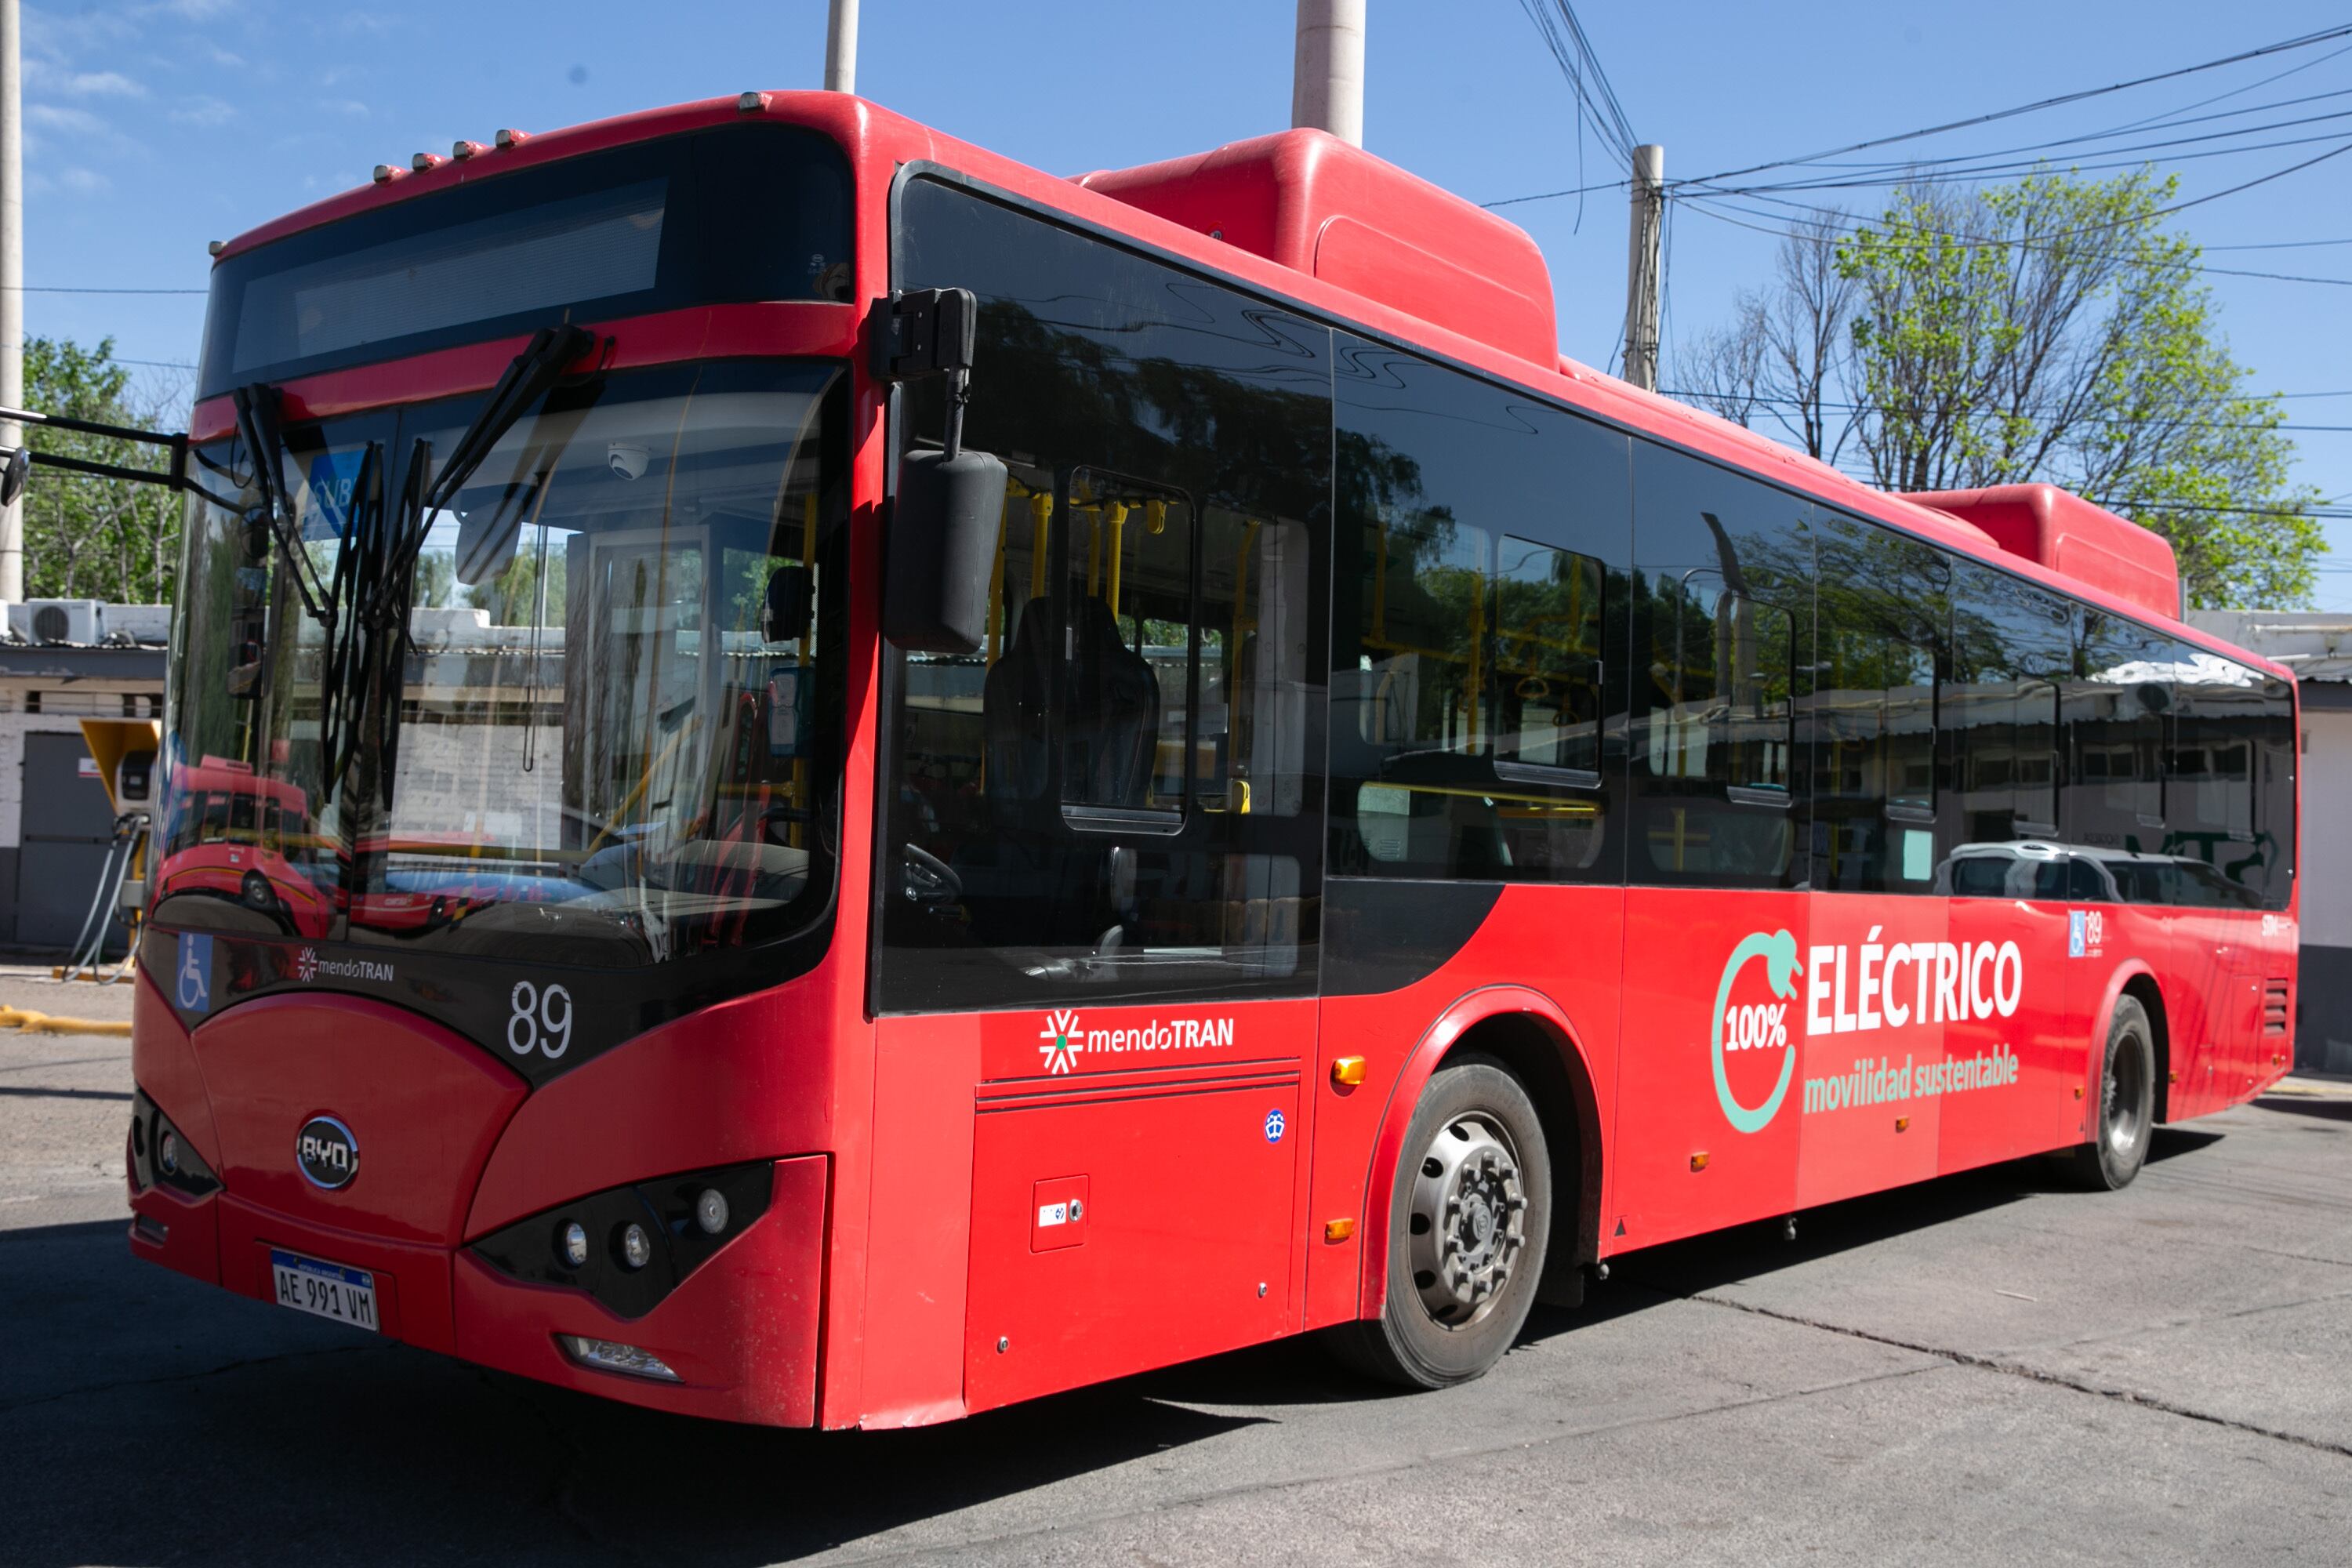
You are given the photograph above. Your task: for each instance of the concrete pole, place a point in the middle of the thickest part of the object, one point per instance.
(1327, 80)
(1645, 266)
(12, 285)
(841, 47)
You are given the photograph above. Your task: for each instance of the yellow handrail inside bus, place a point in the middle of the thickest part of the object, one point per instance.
(1116, 513)
(1041, 511)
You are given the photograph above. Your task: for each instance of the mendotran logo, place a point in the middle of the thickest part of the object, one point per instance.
(1758, 1026)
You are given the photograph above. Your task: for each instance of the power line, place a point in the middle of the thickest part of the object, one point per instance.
(1956, 242)
(1894, 174)
(1580, 63)
(2303, 42)
(2158, 122)
(2028, 155)
(1547, 196)
(2084, 420)
(2235, 91)
(2279, 244)
(1845, 222)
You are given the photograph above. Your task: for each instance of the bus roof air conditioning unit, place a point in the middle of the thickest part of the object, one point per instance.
(1318, 206)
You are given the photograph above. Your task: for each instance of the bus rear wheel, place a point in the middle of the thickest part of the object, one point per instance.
(1469, 1217)
(2127, 1118)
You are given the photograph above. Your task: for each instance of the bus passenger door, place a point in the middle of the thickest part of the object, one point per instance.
(1714, 1051)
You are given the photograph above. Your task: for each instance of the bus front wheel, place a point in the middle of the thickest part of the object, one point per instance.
(1469, 1215)
(2127, 1118)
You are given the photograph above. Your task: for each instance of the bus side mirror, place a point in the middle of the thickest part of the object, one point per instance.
(942, 537)
(15, 468)
(951, 502)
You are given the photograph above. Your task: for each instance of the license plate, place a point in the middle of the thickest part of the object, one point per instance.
(325, 1289)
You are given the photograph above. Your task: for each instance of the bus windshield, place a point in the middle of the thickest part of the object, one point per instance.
(611, 734)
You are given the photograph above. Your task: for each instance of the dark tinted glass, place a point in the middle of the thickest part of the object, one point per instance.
(602, 758)
(1723, 576)
(2227, 815)
(2011, 650)
(2118, 712)
(1121, 795)
(1472, 607)
(2272, 867)
(732, 214)
(1874, 715)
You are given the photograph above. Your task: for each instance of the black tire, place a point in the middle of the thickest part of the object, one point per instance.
(257, 892)
(1433, 1334)
(2126, 1104)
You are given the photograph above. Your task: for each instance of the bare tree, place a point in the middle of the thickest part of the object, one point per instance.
(1783, 360)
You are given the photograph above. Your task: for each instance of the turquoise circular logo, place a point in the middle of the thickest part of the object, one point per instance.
(1757, 1028)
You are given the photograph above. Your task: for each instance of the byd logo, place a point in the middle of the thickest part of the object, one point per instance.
(326, 1153)
(1760, 1026)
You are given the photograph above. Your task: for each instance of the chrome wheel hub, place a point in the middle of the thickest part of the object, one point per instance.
(1467, 1225)
(2119, 1097)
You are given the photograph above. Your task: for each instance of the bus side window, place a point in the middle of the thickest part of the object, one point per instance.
(1713, 755)
(1469, 631)
(1874, 718)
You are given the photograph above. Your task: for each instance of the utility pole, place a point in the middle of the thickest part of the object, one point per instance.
(1326, 80)
(840, 46)
(1644, 267)
(12, 285)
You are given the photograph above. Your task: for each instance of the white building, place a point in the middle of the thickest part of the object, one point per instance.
(61, 662)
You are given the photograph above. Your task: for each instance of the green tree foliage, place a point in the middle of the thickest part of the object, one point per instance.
(90, 538)
(2053, 330)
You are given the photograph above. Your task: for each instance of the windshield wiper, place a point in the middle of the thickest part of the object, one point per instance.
(342, 687)
(528, 379)
(385, 582)
(257, 424)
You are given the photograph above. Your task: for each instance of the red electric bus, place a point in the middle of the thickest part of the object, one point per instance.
(1027, 778)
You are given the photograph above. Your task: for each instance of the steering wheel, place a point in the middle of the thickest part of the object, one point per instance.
(925, 879)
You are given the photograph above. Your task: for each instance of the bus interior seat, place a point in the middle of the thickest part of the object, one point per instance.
(1016, 719)
(1114, 714)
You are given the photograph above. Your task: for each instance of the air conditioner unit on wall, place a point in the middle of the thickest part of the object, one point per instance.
(58, 620)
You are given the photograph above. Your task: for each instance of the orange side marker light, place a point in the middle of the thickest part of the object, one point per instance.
(1903, 1125)
(1698, 1161)
(1339, 1229)
(1348, 1071)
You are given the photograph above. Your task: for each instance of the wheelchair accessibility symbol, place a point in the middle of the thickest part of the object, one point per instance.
(193, 975)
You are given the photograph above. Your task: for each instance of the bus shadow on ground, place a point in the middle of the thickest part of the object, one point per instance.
(2294, 1105)
(1681, 1268)
(397, 1456)
(374, 1452)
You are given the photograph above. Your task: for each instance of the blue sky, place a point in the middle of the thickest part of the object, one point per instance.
(154, 126)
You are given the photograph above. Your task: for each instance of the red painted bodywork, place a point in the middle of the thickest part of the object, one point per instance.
(2068, 534)
(903, 1244)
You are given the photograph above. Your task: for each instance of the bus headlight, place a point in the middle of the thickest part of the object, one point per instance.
(710, 1211)
(159, 1153)
(655, 1234)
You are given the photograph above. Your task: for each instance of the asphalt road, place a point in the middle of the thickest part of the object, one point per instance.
(1985, 1369)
